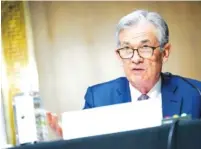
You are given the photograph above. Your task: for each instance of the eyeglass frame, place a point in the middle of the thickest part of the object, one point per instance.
(153, 48)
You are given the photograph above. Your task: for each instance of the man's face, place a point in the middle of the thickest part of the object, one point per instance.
(140, 70)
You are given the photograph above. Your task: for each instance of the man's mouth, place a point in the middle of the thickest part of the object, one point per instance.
(138, 71)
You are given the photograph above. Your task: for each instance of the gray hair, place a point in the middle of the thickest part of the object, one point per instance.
(152, 17)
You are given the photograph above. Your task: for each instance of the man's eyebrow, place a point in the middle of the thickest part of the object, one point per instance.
(125, 43)
(145, 41)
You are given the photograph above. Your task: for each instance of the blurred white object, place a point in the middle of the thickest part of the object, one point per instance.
(6, 146)
(30, 119)
(25, 119)
(3, 140)
(111, 119)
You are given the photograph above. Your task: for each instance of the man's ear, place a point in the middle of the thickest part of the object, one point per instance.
(166, 52)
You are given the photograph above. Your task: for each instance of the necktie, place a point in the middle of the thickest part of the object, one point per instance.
(143, 97)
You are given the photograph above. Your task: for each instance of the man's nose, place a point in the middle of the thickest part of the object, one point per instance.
(136, 58)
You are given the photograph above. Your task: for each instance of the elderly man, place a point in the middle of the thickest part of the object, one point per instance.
(143, 47)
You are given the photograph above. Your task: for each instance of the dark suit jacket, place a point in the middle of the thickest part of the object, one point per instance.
(178, 95)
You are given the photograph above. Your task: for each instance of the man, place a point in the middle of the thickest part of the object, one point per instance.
(143, 48)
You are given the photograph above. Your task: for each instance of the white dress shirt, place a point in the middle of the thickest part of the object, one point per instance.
(154, 95)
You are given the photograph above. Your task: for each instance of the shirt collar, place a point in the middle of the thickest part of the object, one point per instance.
(153, 93)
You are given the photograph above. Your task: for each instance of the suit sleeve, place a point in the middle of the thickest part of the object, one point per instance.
(196, 103)
(89, 101)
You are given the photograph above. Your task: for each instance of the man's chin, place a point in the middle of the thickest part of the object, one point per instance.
(137, 79)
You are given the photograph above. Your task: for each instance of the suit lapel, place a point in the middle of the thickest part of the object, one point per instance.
(123, 91)
(171, 101)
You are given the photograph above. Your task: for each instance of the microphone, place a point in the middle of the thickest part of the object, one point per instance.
(172, 135)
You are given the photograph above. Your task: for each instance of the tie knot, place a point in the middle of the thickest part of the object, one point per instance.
(143, 97)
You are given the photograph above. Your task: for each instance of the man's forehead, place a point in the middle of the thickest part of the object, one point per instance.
(143, 37)
(137, 35)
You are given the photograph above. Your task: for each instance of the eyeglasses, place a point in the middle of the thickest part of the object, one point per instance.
(144, 52)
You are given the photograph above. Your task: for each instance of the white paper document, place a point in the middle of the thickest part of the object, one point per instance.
(111, 119)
